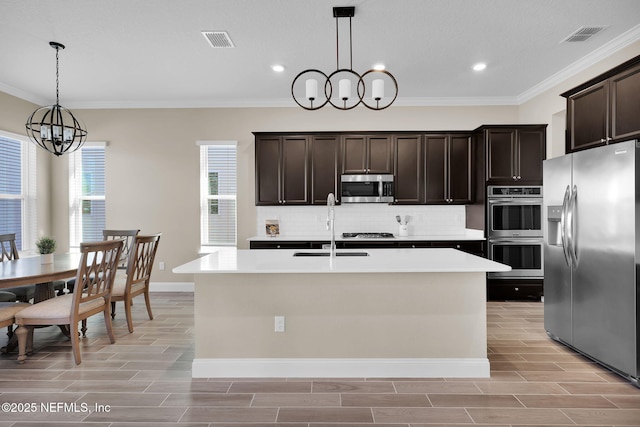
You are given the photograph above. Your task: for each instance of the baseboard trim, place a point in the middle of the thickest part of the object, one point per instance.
(340, 368)
(171, 287)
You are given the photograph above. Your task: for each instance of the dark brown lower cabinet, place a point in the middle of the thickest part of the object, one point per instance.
(514, 290)
(475, 247)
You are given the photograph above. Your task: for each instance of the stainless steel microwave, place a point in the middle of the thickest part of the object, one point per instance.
(370, 188)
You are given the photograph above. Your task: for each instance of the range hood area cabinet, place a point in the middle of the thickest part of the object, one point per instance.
(605, 109)
(367, 154)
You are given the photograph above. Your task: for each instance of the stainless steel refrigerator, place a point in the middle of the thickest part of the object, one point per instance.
(591, 254)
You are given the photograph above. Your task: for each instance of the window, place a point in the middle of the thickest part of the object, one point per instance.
(87, 217)
(18, 189)
(218, 193)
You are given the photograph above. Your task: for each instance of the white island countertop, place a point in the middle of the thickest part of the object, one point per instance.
(430, 260)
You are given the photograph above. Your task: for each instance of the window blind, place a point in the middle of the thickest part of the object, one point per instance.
(218, 186)
(87, 185)
(18, 189)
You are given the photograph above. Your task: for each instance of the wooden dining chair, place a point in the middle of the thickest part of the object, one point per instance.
(8, 311)
(96, 274)
(127, 236)
(136, 281)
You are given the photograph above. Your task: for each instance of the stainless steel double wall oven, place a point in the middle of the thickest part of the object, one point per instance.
(514, 229)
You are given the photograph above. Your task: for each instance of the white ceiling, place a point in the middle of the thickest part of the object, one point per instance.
(151, 53)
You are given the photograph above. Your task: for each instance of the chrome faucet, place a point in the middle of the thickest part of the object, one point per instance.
(331, 218)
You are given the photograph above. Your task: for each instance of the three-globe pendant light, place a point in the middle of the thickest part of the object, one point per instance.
(313, 99)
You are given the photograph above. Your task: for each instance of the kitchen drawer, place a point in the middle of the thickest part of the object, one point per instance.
(475, 247)
(514, 290)
(414, 245)
(292, 244)
(366, 244)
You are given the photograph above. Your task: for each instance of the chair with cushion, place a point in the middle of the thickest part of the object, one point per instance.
(136, 281)
(8, 311)
(9, 252)
(127, 235)
(7, 296)
(96, 273)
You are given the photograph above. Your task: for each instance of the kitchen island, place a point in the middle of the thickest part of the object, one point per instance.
(392, 313)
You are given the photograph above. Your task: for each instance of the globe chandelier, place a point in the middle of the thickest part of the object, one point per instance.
(312, 89)
(55, 128)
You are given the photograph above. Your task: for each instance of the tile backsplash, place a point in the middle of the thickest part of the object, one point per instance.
(312, 220)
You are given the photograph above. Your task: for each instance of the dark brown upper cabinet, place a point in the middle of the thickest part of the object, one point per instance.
(325, 168)
(605, 109)
(514, 155)
(363, 154)
(282, 170)
(448, 169)
(409, 166)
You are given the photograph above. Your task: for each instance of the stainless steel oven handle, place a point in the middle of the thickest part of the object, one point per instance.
(518, 241)
(563, 226)
(523, 201)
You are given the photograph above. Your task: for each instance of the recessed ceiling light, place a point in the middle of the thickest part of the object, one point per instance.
(479, 66)
(278, 68)
(379, 67)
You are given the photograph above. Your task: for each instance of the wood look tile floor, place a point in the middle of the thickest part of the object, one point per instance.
(144, 380)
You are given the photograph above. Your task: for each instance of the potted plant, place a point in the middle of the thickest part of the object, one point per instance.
(46, 246)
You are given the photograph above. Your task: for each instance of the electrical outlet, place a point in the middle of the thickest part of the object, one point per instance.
(279, 323)
(161, 265)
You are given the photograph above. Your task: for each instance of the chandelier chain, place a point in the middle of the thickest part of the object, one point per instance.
(57, 77)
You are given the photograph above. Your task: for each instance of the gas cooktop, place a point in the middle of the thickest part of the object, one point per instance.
(367, 235)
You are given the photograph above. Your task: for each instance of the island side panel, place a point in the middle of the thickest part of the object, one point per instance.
(350, 315)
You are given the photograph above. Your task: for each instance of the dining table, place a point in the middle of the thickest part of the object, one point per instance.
(31, 271)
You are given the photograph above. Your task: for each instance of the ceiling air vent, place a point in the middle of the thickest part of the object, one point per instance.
(218, 39)
(583, 34)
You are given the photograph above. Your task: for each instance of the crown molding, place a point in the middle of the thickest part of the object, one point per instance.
(615, 45)
(603, 52)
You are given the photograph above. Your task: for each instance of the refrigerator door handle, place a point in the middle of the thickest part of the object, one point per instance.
(572, 226)
(564, 224)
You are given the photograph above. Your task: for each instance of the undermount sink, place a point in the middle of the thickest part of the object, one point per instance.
(327, 254)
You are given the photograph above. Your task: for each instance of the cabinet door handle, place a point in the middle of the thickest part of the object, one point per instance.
(603, 140)
(519, 177)
(514, 177)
